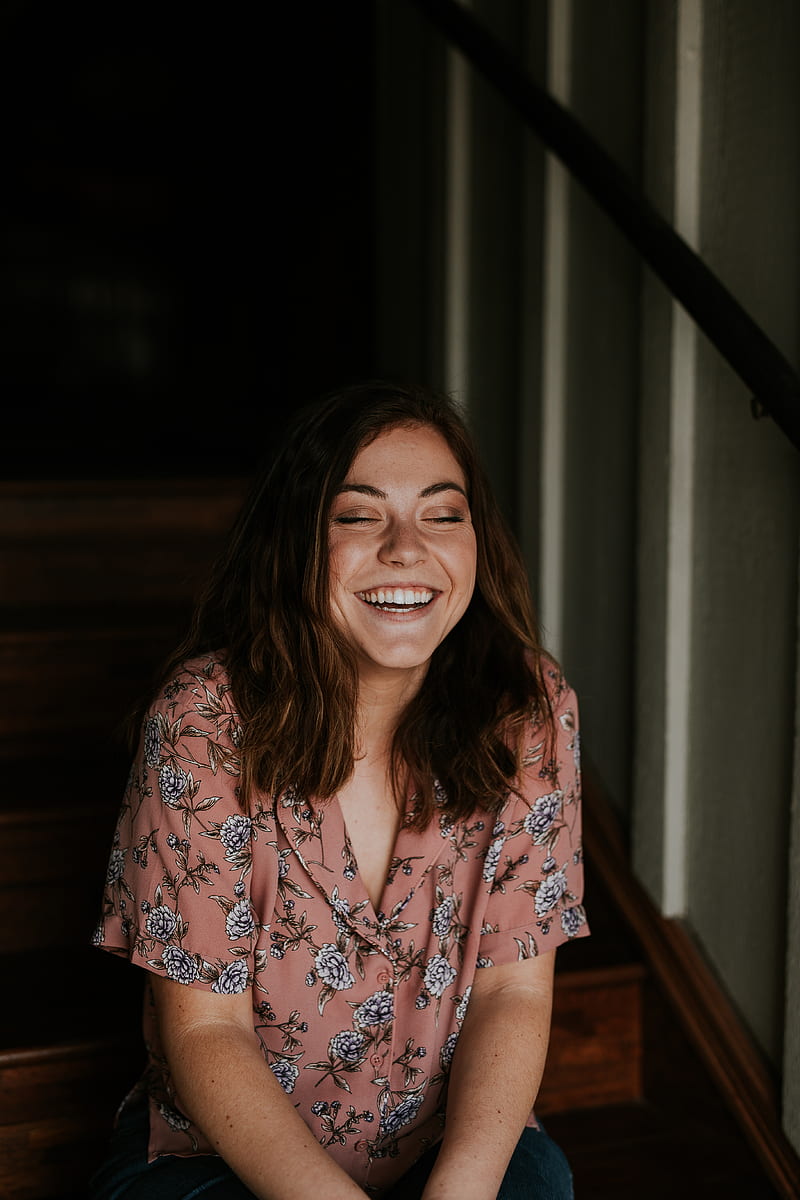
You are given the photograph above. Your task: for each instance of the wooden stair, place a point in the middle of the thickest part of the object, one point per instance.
(706, 1123)
(76, 1052)
(96, 577)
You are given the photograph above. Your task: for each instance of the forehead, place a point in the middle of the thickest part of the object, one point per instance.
(418, 449)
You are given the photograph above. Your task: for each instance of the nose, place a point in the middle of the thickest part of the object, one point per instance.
(402, 545)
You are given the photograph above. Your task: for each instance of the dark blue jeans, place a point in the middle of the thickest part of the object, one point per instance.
(538, 1170)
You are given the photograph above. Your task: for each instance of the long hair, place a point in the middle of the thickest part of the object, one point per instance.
(266, 612)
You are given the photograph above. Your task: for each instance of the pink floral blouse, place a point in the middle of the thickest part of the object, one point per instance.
(357, 1012)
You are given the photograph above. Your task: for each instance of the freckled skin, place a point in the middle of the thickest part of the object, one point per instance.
(402, 520)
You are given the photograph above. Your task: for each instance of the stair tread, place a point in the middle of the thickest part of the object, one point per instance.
(626, 1151)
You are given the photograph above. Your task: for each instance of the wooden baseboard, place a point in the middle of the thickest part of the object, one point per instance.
(696, 996)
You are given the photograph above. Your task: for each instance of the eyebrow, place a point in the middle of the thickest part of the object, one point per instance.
(433, 489)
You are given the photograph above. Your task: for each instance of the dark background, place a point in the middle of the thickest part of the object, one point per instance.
(187, 228)
(186, 253)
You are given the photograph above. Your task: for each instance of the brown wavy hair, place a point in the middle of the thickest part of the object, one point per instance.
(266, 613)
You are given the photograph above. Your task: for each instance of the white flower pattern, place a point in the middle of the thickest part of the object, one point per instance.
(347, 1004)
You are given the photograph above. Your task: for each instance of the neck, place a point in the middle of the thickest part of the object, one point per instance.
(381, 701)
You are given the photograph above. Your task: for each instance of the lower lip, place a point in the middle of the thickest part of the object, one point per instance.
(416, 611)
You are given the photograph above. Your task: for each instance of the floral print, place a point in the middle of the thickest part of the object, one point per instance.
(376, 1010)
(357, 1012)
(331, 967)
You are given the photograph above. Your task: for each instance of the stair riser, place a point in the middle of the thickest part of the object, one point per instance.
(595, 1053)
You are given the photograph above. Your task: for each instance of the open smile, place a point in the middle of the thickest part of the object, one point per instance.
(398, 600)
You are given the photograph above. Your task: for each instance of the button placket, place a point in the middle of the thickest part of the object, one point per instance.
(383, 1051)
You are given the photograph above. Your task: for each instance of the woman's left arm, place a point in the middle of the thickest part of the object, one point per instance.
(494, 1079)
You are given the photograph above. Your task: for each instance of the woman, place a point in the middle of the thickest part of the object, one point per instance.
(350, 840)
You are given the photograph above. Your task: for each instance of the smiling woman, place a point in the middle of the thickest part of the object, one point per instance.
(351, 839)
(402, 554)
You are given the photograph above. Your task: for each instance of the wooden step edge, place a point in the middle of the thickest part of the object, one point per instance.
(17, 813)
(606, 976)
(694, 993)
(17, 1057)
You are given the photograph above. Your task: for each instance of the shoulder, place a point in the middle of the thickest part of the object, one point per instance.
(197, 682)
(559, 699)
(550, 743)
(194, 701)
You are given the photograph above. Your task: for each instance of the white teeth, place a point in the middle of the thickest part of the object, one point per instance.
(408, 597)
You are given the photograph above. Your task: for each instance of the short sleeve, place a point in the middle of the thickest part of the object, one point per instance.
(536, 900)
(177, 897)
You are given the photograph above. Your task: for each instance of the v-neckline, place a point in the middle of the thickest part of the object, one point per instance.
(378, 904)
(329, 860)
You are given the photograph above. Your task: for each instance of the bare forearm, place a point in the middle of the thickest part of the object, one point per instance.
(228, 1090)
(494, 1080)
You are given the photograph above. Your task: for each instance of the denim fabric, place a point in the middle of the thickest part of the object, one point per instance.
(538, 1170)
(126, 1174)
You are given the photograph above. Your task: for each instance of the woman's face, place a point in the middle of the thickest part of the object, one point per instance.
(402, 552)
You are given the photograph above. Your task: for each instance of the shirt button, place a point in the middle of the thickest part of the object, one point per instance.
(383, 976)
(375, 1059)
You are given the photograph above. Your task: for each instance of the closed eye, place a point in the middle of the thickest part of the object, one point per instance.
(355, 520)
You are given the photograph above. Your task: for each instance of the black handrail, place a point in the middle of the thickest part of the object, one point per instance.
(773, 383)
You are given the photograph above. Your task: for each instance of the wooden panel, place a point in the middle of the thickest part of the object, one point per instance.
(43, 845)
(48, 1160)
(45, 902)
(72, 994)
(45, 918)
(595, 1054)
(74, 683)
(55, 1112)
(49, 1082)
(99, 543)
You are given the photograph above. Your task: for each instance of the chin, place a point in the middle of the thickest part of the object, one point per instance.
(401, 661)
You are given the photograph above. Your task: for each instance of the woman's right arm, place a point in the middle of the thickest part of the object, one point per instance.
(226, 1087)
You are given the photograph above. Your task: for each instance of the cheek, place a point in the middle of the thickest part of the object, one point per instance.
(340, 570)
(469, 566)
(336, 562)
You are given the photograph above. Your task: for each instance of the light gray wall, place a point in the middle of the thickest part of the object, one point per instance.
(740, 696)
(653, 477)
(747, 516)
